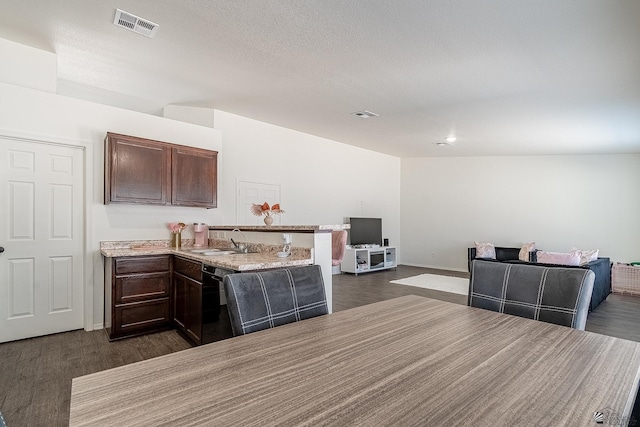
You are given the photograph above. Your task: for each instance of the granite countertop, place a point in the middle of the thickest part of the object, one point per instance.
(247, 262)
(238, 262)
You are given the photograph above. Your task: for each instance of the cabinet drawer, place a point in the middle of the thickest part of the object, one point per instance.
(142, 287)
(142, 264)
(191, 269)
(141, 316)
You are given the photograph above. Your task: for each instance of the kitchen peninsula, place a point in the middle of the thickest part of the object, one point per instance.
(315, 237)
(151, 286)
(236, 262)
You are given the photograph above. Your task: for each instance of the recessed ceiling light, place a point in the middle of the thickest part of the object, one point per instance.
(364, 114)
(447, 141)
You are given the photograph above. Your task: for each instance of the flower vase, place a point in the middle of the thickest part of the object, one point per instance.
(176, 240)
(268, 220)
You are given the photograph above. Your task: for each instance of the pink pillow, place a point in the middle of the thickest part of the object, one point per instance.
(587, 256)
(571, 258)
(485, 250)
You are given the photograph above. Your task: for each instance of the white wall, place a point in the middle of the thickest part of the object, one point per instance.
(590, 202)
(322, 181)
(28, 67)
(44, 116)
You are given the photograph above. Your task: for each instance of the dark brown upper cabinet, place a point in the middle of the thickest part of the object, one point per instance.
(137, 171)
(193, 173)
(144, 171)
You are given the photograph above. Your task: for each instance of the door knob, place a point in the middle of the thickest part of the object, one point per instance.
(1, 249)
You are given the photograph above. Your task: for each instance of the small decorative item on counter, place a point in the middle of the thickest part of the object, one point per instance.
(286, 248)
(176, 233)
(267, 211)
(201, 232)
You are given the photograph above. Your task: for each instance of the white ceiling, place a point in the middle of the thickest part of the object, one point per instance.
(506, 77)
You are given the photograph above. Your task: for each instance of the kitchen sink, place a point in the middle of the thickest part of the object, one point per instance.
(215, 251)
(218, 252)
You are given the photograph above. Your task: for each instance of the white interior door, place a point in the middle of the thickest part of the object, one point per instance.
(41, 230)
(250, 192)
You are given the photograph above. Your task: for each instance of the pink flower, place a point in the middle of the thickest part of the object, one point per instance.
(176, 227)
(265, 209)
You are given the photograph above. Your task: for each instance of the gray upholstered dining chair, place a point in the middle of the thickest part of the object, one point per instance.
(549, 294)
(262, 300)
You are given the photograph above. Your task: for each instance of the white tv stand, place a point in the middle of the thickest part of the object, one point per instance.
(364, 260)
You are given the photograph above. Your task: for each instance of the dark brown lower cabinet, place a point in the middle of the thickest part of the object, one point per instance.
(156, 292)
(188, 306)
(187, 298)
(140, 297)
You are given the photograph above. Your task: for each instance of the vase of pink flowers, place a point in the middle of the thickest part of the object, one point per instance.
(267, 211)
(176, 233)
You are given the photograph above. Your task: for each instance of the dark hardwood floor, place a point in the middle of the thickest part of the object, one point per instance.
(36, 374)
(353, 291)
(617, 316)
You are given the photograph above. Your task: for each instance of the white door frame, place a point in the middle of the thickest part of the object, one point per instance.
(87, 150)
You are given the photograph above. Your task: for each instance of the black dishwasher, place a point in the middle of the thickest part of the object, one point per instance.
(214, 326)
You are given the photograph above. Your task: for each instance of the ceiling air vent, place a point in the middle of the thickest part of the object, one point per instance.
(364, 114)
(135, 23)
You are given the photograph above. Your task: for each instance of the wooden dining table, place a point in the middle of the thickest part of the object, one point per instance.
(409, 361)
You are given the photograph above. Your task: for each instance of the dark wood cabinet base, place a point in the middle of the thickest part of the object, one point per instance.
(140, 296)
(152, 293)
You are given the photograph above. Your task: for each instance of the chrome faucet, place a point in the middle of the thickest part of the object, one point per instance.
(242, 247)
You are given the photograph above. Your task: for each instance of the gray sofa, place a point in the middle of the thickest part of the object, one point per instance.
(600, 267)
(549, 294)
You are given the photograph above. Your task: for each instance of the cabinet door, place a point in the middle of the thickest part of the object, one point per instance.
(180, 290)
(187, 311)
(194, 311)
(137, 170)
(195, 174)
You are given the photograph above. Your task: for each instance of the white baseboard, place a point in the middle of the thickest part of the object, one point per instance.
(98, 326)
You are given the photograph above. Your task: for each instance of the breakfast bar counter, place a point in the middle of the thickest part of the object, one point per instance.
(150, 286)
(284, 228)
(147, 273)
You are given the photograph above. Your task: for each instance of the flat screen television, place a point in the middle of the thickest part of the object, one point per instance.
(365, 231)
